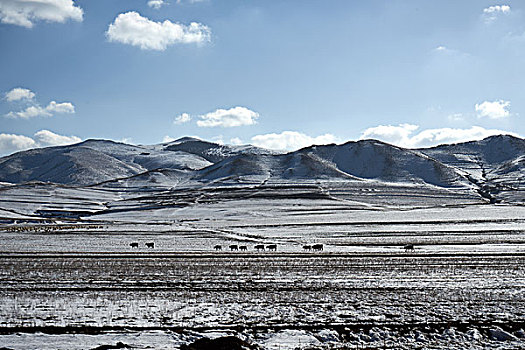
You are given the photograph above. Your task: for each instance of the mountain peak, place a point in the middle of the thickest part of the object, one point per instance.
(183, 140)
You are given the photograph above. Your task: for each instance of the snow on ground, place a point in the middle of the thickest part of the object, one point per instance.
(66, 262)
(277, 300)
(375, 338)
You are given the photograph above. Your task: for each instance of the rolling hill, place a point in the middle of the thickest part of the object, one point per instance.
(493, 163)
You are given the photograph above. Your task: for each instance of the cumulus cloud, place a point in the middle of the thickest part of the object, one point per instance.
(235, 141)
(403, 135)
(33, 108)
(491, 13)
(133, 29)
(493, 110)
(64, 107)
(390, 133)
(227, 118)
(181, 119)
(219, 139)
(19, 94)
(156, 4)
(497, 9)
(37, 111)
(291, 140)
(10, 143)
(45, 138)
(25, 12)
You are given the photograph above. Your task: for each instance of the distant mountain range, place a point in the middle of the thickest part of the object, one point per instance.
(492, 164)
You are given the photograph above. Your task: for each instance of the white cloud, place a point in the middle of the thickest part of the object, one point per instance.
(156, 4)
(19, 94)
(497, 9)
(34, 109)
(403, 135)
(491, 13)
(25, 12)
(37, 111)
(389, 133)
(131, 28)
(29, 112)
(181, 119)
(227, 118)
(493, 110)
(46, 138)
(218, 139)
(64, 107)
(167, 139)
(236, 141)
(13, 143)
(291, 140)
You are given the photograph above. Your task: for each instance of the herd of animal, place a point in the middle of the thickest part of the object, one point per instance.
(147, 244)
(232, 247)
(262, 247)
(269, 247)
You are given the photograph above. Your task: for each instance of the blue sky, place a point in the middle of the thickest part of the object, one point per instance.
(278, 74)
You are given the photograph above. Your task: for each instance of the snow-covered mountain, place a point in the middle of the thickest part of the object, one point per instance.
(372, 159)
(368, 159)
(188, 159)
(479, 156)
(92, 161)
(210, 151)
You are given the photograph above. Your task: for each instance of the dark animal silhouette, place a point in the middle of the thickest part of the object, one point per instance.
(234, 247)
(221, 343)
(317, 247)
(409, 247)
(118, 345)
(259, 247)
(272, 247)
(243, 248)
(218, 247)
(307, 247)
(134, 245)
(150, 245)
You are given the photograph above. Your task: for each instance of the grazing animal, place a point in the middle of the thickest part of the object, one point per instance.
(317, 247)
(150, 245)
(259, 247)
(134, 244)
(409, 247)
(234, 247)
(243, 248)
(218, 247)
(272, 247)
(307, 247)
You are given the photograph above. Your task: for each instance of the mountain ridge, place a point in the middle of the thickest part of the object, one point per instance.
(488, 163)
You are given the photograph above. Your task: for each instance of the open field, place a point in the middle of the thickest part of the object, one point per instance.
(349, 296)
(68, 280)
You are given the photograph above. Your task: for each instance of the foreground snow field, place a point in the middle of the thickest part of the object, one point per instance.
(276, 300)
(78, 281)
